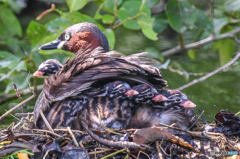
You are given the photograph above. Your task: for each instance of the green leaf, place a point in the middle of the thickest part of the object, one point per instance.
(152, 3)
(8, 56)
(107, 19)
(146, 25)
(109, 6)
(225, 48)
(111, 37)
(98, 16)
(233, 5)
(17, 5)
(75, 5)
(130, 9)
(219, 24)
(154, 53)
(192, 54)
(180, 14)
(160, 23)
(35, 32)
(9, 25)
(21, 80)
(204, 21)
(21, 66)
(78, 17)
(15, 67)
(58, 22)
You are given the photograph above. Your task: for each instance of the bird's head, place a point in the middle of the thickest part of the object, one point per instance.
(78, 35)
(177, 98)
(48, 67)
(119, 89)
(146, 94)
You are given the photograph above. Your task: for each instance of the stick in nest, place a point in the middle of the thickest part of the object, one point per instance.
(19, 105)
(115, 144)
(18, 94)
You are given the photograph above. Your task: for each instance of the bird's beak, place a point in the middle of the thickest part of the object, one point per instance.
(188, 104)
(38, 73)
(160, 98)
(131, 92)
(55, 44)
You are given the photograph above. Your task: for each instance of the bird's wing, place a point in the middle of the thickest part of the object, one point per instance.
(80, 73)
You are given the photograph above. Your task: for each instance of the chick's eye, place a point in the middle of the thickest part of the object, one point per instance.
(67, 37)
(178, 99)
(150, 94)
(121, 89)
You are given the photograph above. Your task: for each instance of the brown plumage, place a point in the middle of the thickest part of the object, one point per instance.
(112, 101)
(92, 66)
(151, 109)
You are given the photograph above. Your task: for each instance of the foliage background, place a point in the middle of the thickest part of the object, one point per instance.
(156, 26)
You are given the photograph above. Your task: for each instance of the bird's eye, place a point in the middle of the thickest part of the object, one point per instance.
(121, 89)
(149, 94)
(67, 37)
(178, 99)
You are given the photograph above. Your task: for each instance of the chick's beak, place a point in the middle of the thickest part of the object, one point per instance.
(160, 98)
(131, 92)
(38, 73)
(55, 44)
(188, 104)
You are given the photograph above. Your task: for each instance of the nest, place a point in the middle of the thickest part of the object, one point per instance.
(24, 141)
(218, 139)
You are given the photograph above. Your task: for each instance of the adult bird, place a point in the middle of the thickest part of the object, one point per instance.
(92, 66)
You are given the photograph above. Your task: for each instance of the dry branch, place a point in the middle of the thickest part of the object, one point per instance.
(24, 92)
(19, 105)
(210, 74)
(200, 43)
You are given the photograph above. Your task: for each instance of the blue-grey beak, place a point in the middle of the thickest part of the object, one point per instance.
(51, 45)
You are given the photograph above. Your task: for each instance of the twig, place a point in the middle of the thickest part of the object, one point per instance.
(97, 152)
(12, 115)
(210, 74)
(200, 43)
(47, 131)
(115, 144)
(78, 131)
(23, 114)
(158, 149)
(196, 120)
(44, 157)
(112, 154)
(73, 136)
(45, 121)
(20, 104)
(24, 92)
(183, 73)
(143, 153)
(18, 94)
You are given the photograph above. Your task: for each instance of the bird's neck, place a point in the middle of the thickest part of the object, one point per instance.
(82, 39)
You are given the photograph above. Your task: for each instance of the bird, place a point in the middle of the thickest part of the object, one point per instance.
(154, 108)
(114, 114)
(177, 100)
(48, 67)
(112, 107)
(93, 66)
(147, 94)
(64, 113)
